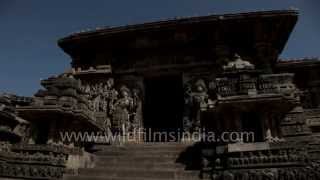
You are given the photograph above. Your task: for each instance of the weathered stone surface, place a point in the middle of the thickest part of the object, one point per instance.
(199, 73)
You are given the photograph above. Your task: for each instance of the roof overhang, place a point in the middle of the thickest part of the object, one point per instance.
(241, 32)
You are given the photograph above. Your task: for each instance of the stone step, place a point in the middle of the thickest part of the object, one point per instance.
(134, 164)
(134, 148)
(150, 144)
(171, 156)
(128, 173)
(138, 173)
(138, 152)
(150, 161)
(139, 159)
(70, 177)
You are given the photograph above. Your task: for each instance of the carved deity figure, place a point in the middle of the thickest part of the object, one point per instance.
(96, 103)
(137, 111)
(199, 102)
(187, 122)
(122, 110)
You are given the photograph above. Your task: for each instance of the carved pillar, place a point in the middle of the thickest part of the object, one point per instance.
(52, 132)
(276, 121)
(315, 91)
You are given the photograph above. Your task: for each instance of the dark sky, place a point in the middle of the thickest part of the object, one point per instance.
(30, 29)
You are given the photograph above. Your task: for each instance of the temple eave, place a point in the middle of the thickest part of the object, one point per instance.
(231, 28)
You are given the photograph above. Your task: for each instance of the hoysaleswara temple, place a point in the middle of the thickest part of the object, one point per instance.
(193, 76)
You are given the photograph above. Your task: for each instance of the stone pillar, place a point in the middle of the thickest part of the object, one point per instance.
(52, 134)
(315, 93)
(266, 126)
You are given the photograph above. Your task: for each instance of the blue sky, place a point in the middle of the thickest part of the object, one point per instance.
(30, 29)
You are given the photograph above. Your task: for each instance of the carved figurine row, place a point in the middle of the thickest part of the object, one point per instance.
(250, 159)
(273, 158)
(100, 95)
(37, 165)
(30, 171)
(255, 85)
(50, 147)
(234, 164)
(36, 157)
(294, 173)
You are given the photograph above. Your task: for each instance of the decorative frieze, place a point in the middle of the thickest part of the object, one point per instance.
(303, 173)
(275, 162)
(33, 171)
(32, 161)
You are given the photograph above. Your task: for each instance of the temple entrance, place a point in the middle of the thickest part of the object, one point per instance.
(41, 135)
(163, 108)
(251, 122)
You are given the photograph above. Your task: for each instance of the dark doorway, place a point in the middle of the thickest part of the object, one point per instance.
(41, 131)
(163, 108)
(251, 122)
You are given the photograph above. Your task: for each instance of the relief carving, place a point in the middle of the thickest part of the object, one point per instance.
(122, 107)
(196, 100)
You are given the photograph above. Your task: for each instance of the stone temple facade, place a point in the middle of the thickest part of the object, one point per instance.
(210, 74)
